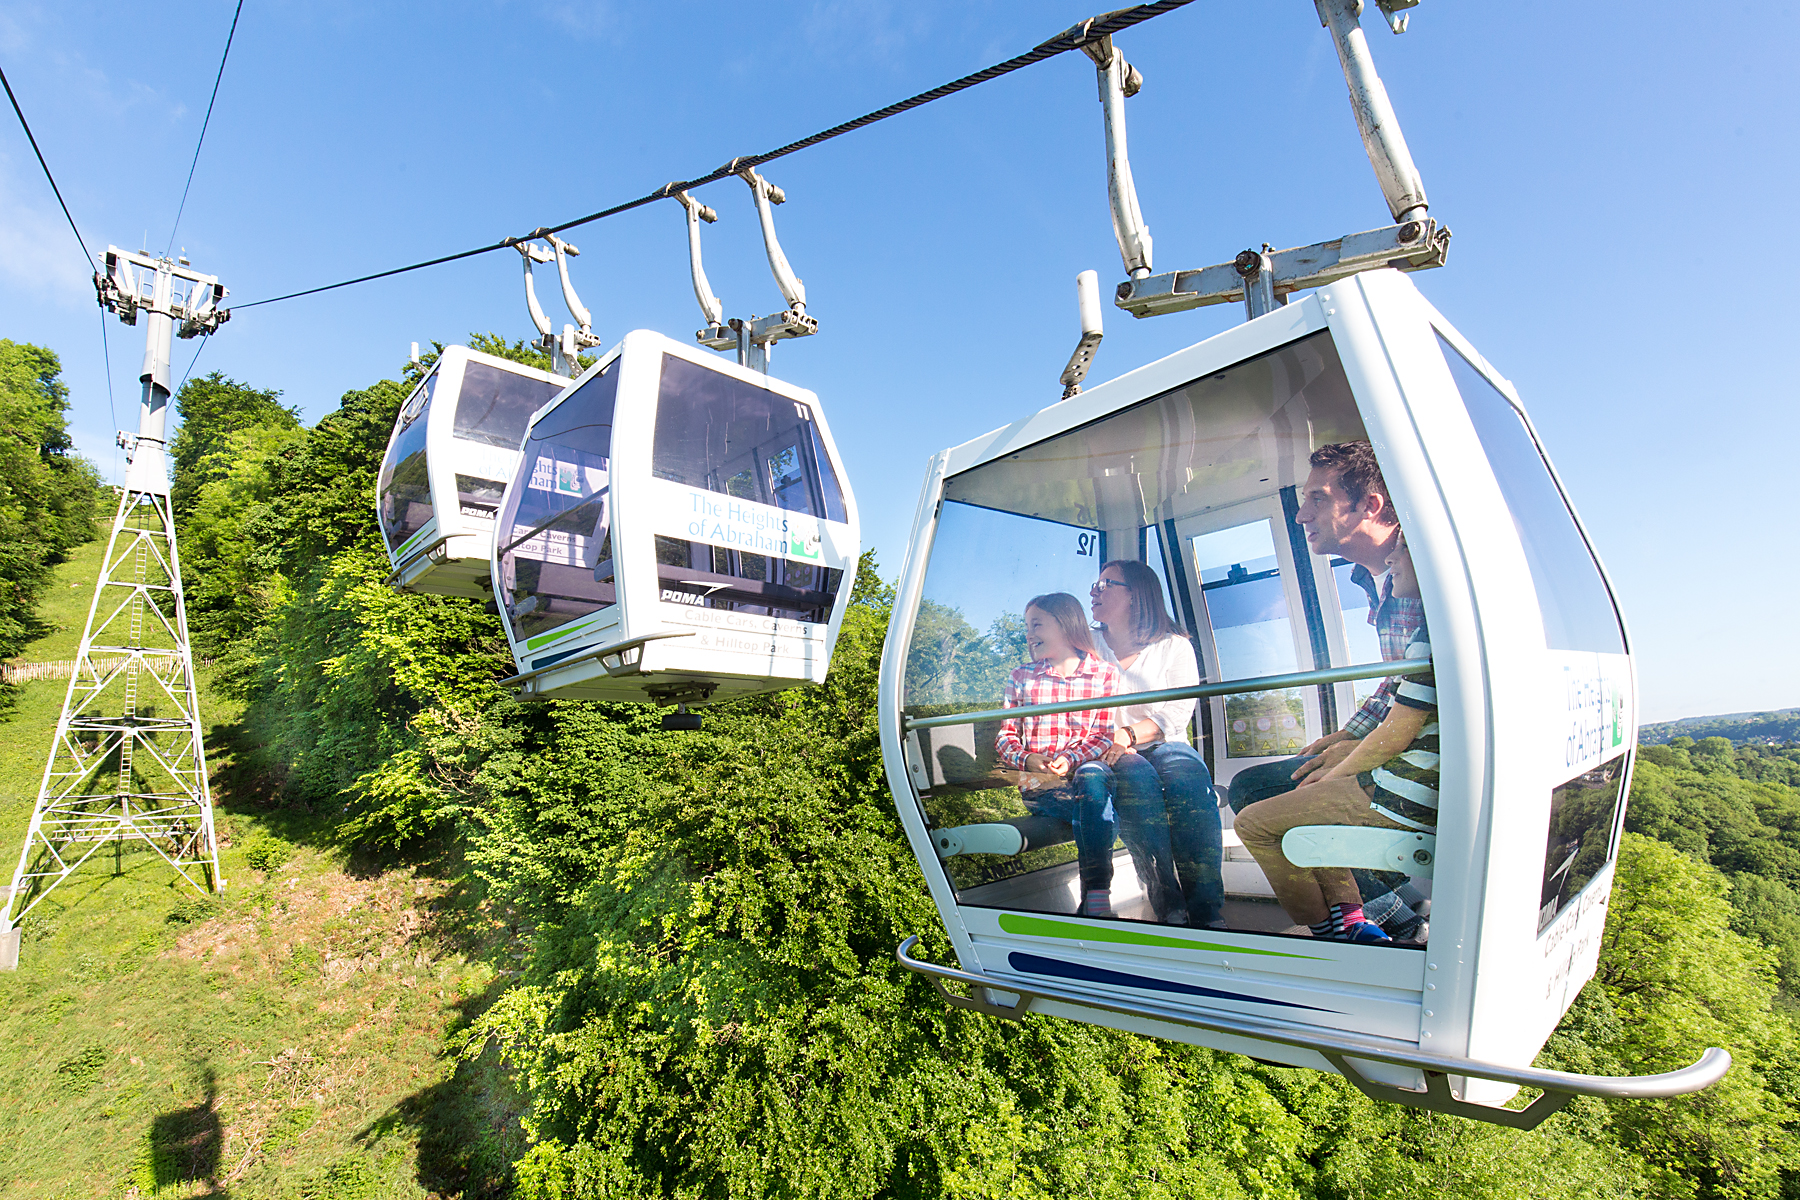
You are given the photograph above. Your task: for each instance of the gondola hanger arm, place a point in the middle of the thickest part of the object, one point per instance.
(531, 252)
(1263, 279)
(711, 307)
(578, 310)
(766, 196)
(1118, 80)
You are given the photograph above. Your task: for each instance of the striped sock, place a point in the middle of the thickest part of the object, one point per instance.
(1321, 929)
(1098, 903)
(1343, 916)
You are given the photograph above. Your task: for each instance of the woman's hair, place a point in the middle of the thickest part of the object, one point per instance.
(1150, 620)
(1066, 611)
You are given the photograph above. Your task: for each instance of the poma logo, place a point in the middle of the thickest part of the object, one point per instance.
(675, 597)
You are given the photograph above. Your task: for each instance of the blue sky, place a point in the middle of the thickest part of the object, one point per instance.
(1612, 183)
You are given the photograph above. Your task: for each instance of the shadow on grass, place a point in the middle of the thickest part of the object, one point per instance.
(467, 1126)
(184, 1146)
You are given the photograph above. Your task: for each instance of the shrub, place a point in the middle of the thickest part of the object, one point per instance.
(190, 910)
(266, 852)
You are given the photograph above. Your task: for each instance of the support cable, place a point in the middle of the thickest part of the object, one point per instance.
(32, 138)
(111, 409)
(190, 367)
(203, 125)
(1071, 39)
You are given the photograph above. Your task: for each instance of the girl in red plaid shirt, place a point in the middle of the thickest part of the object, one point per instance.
(1058, 755)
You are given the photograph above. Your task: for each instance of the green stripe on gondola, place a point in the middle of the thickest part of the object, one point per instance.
(544, 639)
(1040, 927)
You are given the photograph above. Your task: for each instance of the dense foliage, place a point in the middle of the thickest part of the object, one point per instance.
(1781, 727)
(50, 500)
(708, 1004)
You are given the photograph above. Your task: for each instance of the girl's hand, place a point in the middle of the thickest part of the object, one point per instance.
(1059, 766)
(1036, 763)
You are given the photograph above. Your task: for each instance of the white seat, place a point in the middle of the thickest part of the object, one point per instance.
(1361, 846)
(978, 839)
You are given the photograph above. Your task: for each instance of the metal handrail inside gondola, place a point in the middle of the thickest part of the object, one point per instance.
(1228, 687)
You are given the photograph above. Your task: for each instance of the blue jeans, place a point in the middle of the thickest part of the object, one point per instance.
(1264, 780)
(1169, 820)
(1085, 802)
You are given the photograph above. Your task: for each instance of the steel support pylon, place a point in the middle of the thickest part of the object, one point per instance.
(128, 763)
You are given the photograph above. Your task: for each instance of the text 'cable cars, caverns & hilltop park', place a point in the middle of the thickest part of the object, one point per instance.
(1323, 546)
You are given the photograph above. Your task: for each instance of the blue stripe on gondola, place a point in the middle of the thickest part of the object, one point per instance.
(538, 664)
(1062, 970)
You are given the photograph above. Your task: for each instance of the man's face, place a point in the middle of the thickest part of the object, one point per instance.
(1326, 512)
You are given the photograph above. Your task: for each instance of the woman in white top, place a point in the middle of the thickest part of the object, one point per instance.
(1167, 810)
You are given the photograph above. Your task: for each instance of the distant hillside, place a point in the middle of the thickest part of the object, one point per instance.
(1782, 725)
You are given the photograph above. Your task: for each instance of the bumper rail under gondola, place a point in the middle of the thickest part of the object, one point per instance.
(1559, 1087)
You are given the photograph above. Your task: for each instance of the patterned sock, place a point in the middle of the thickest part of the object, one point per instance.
(1098, 903)
(1321, 929)
(1343, 916)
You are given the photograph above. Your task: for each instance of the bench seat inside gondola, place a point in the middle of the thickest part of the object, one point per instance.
(1000, 855)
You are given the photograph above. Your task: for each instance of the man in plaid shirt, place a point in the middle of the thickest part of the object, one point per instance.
(1346, 511)
(1058, 754)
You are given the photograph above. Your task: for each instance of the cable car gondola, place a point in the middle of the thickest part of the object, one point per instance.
(1195, 472)
(678, 530)
(454, 446)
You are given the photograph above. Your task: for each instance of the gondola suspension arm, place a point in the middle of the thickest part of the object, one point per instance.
(531, 252)
(716, 335)
(1263, 279)
(1119, 79)
(757, 336)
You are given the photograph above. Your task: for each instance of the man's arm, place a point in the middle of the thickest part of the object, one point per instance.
(1390, 738)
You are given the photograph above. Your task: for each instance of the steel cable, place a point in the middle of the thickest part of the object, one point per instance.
(203, 124)
(32, 138)
(1071, 39)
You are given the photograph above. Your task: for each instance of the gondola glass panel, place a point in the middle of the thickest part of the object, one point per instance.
(404, 486)
(1198, 465)
(455, 445)
(1210, 459)
(554, 546)
(711, 540)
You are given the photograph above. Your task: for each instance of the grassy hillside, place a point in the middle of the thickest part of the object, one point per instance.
(284, 1039)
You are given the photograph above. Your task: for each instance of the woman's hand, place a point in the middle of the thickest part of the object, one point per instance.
(1059, 766)
(1036, 764)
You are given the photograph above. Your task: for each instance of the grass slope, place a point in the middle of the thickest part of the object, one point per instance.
(283, 1039)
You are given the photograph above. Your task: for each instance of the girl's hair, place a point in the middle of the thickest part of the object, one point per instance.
(1150, 620)
(1066, 611)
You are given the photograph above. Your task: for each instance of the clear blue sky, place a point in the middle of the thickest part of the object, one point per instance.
(1615, 178)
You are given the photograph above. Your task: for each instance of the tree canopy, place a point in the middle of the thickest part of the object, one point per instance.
(51, 500)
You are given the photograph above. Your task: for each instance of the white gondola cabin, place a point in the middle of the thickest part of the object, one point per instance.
(453, 449)
(1194, 465)
(678, 530)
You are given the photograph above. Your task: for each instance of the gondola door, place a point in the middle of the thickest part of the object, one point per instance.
(1253, 620)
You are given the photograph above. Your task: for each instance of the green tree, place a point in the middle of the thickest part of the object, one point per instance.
(215, 415)
(50, 499)
(230, 454)
(1680, 980)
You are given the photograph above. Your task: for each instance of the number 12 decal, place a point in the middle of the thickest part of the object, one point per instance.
(1087, 544)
